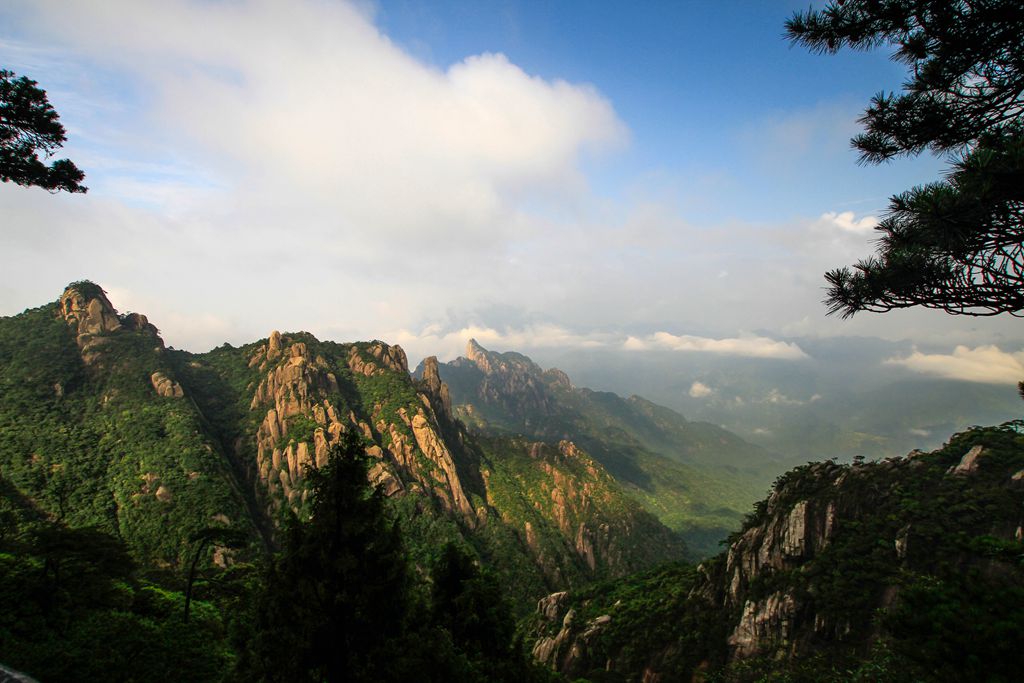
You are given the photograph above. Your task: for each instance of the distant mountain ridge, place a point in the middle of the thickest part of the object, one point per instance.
(695, 476)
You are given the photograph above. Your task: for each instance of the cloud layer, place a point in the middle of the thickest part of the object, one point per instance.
(258, 165)
(753, 346)
(984, 364)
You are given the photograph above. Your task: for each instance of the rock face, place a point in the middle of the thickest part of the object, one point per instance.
(436, 390)
(510, 381)
(571, 519)
(568, 651)
(300, 398)
(86, 309)
(832, 549)
(969, 463)
(165, 386)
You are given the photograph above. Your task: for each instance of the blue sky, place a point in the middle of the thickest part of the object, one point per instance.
(632, 176)
(697, 83)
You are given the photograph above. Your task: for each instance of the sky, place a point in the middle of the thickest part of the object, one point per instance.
(623, 176)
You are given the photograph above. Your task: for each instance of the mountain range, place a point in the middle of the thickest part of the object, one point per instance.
(103, 425)
(117, 451)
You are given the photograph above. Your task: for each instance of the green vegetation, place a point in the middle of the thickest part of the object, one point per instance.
(920, 580)
(95, 446)
(77, 592)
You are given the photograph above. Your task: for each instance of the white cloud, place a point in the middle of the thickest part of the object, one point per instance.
(700, 390)
(308, 103)
(848, 221)
(259, 165)
(920, 432)
(448, 344)
(752, 346)
(984, 364)
(778, 398)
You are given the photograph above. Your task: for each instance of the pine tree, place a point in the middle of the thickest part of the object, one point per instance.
(29, 126)
(955, 244)
(336, 600)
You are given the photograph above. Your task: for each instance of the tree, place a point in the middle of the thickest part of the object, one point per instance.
(955, 244)
(29, 126)
(336, 600)
(202, 539)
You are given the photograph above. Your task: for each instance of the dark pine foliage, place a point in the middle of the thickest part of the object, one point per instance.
(956, 244)
(30, 126)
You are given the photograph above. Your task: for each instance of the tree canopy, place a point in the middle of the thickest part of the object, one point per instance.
(954, 244)
(29, 126)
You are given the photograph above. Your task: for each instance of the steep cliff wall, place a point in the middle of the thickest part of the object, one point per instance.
(874, 562)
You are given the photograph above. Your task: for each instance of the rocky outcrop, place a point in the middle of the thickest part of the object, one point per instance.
(84, 306)
(86, 309)
(825, 562)
(436, 390)
(293, 392)
(570, 649)
(136, 322)
(765, 623)
(969, 463)
(302, 421)
(431, 445)
(165, 386)
(382, 356)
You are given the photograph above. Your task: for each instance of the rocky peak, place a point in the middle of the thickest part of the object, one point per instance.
(85, 307)
(478, 355)
(558, 378)
(436, 390)
(511, 381)
(136, 322)
(382, 357)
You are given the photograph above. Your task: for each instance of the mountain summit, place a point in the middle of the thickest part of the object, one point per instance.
(696, 477)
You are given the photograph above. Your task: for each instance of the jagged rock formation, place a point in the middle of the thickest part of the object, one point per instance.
(837, 560)
(305, 415)
(154, 444)
(573, 522)
(509, 382)
(165, 386)
(673, 467)
(88, 311)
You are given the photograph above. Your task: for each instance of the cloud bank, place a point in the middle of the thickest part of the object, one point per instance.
(700, 390)
(258, 165)
(753, 346)
(983, 364)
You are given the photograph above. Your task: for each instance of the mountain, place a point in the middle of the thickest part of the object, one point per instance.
(103, 426)
(696, 477)
(904, 569)
(844, 398)
(96, 431)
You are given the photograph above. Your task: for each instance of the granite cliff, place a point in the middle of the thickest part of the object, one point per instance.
(864, 565)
